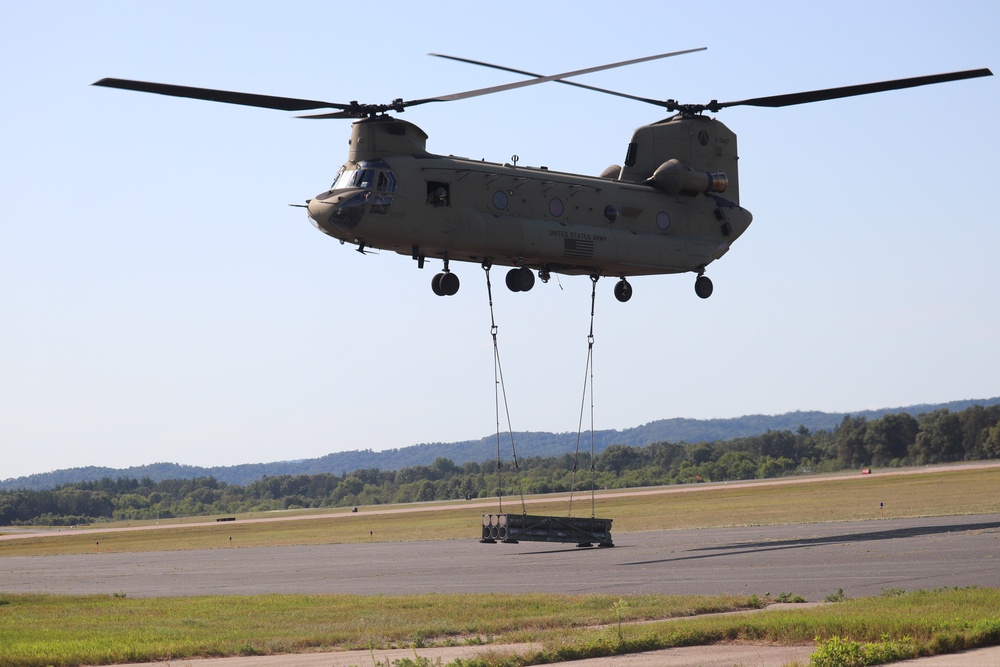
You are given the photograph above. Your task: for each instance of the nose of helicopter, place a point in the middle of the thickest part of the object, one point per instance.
(338, 212)
(322, 211)
(319, 210)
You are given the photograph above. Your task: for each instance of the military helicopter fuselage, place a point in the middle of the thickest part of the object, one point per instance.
(672, 208)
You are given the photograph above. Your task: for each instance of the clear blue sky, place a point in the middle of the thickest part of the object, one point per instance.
(162, 302)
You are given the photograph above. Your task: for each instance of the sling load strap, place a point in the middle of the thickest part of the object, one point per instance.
(500, 390)
(588, 378)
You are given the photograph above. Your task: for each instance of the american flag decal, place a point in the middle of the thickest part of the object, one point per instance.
(578, 248)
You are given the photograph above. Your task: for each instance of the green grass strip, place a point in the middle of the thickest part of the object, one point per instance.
(863, 631)
(60, 630)
(94, 630)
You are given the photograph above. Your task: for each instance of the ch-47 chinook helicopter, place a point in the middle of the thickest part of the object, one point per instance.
(673, 207)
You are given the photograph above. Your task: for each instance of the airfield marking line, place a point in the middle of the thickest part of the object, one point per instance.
(481, 504)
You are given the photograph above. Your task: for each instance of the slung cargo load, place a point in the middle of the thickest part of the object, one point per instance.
(513, 528)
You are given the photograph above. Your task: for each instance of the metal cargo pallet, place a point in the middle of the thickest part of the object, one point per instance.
(512, 528)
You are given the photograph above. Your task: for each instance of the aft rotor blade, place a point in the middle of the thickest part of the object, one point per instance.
(851, 91)
(568, 83)
(543, 79)
(227, 96)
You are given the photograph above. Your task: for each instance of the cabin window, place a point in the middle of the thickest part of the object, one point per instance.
(500, 200)
(556, 207)
(438, 193)
(611, 214)
(663, 220)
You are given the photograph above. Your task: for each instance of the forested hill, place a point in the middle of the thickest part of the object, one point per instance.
(527, 444)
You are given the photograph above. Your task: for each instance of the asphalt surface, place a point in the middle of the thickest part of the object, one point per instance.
(811, 560)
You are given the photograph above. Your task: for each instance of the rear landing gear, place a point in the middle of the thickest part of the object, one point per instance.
(703, 287)
(623, 290)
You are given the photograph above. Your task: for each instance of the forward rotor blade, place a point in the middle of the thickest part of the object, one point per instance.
(348, 113)
(851, 91)
(543, 79)
(568, 83)
(227, 96)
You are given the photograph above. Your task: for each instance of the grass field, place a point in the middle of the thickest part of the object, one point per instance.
(93, 630)
(73, 630)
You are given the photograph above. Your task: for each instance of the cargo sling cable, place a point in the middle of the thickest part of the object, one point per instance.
(511, 528)
(500, 389)
(588, 382)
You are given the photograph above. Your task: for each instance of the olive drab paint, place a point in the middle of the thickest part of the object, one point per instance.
(445, 207)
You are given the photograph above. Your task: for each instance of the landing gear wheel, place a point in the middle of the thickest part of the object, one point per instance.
(511, 281)
(623, 290)
(445, 284)
(703, 287)
(449, 284)
(520, 280)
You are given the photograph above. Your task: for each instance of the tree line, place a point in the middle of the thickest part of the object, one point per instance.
(893, 440)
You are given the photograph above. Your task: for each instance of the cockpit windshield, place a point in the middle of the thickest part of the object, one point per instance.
(370, 175)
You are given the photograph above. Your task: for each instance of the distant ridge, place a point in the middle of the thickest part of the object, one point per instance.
(528, 444)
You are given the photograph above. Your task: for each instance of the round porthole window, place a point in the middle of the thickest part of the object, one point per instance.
(611, 214)
(556, 207)
(663, 220)
(500, 200)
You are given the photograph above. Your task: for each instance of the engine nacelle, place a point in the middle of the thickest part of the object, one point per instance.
(675, 178)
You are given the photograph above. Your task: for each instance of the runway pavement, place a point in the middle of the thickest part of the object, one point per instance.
(811, 560)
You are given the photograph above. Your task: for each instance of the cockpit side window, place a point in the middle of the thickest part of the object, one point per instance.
(386, 182)
(363, 178)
